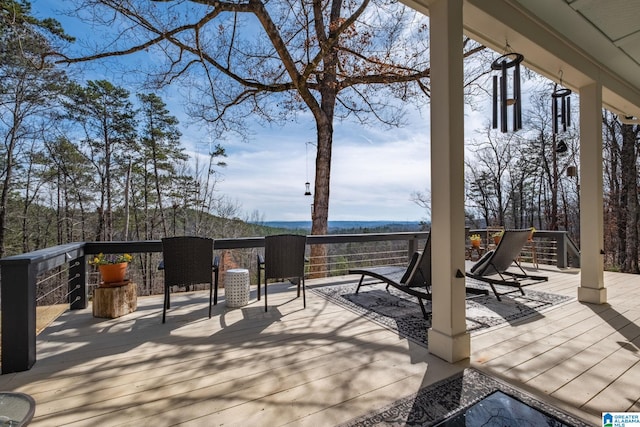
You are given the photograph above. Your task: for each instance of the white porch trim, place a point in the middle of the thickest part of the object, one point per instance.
(591, 197)
(448, 336)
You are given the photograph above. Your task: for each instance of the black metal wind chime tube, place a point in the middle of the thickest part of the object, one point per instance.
(561, 96)
(517, 108)
(500, 90)
(554, 113)
(503, 96)
(495, 102)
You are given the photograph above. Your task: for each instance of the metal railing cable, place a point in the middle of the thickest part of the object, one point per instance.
(63, 283)
(56, 274)
(19, 276)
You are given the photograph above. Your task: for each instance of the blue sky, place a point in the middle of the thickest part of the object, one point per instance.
(374, 171)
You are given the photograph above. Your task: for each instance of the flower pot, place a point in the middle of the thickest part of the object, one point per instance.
(496, 239)
(113, 273)
(475, 243)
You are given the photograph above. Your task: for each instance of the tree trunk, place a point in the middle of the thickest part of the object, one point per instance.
(612, 197)
(630, 193)
(320, 214)
(60, 228)
(553, 220)
(127, 184)
(324, 125)
(8, 177)
(156, 177)
(108, 220)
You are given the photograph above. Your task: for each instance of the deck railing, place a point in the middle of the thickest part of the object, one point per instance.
(20, 274)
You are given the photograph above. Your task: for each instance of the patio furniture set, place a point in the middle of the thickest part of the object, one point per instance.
(492, 268)
(189, 260)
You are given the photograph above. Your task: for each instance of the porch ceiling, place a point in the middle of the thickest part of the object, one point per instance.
(582, 40)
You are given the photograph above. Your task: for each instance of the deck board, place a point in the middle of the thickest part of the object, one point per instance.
(322, 365)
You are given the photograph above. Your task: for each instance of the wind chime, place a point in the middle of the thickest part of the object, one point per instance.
(561, 112)
(307, 185)
(561, 108)
(505, 95)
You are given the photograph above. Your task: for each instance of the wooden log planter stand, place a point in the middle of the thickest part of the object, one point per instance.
(115, 299)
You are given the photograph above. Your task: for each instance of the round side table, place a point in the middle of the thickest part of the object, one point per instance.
(236, 287)
(16, 409)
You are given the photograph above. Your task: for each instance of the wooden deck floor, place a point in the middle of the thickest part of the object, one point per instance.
(318, 366)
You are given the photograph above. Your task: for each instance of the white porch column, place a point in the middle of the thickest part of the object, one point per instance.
(448, 337)
(591, 194)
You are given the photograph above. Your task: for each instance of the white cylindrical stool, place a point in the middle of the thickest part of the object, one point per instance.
(236, 287)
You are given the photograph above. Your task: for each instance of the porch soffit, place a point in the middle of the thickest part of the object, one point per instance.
(584, 40)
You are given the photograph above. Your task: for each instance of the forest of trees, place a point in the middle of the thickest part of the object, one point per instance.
(531, 178)
(88, 160)
(271, 62)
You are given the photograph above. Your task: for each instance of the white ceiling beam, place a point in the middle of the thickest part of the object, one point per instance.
(553, 36)
(579, 4)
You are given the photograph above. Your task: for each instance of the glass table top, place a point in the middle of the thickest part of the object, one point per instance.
(499, 410)
(16, 409)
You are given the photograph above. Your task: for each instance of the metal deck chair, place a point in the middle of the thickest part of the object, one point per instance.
(188, 261)
(414, 279)
(492, 267)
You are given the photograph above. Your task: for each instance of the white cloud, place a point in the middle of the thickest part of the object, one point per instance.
(373, 173)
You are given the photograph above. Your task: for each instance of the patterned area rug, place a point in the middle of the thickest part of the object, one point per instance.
(401, 312)
(465, 399)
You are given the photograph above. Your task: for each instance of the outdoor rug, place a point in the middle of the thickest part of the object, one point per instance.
(401, 312)
(469, 398)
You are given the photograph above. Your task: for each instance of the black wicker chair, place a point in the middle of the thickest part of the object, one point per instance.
(283, 259)
(188, 261)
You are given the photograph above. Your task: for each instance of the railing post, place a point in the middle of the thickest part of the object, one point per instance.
(413, 246)
(18, 317)
(78, 284)
(561, 250)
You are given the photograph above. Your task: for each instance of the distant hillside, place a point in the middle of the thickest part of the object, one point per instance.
(337, 226)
